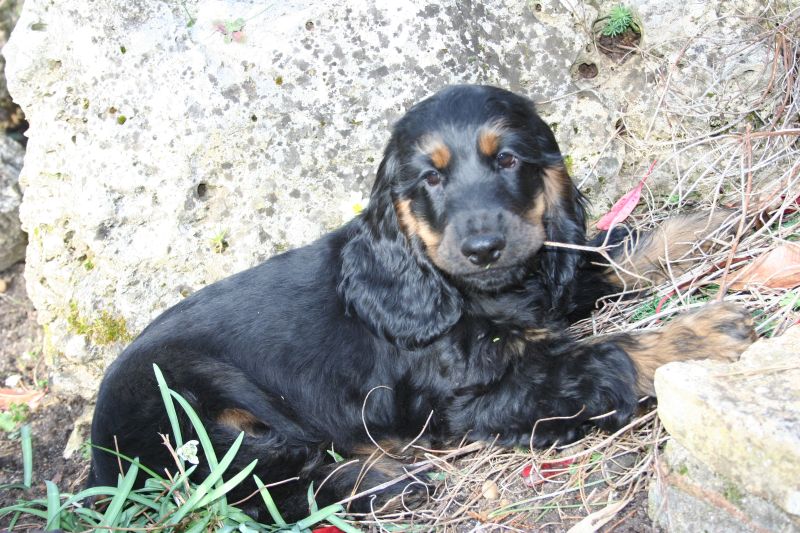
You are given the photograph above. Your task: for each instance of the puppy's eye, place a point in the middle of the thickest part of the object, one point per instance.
(433, 178)
(506, 160)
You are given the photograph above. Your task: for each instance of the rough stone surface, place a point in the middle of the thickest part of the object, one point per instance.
(164, 154)
(12, 238)
(688, 496)
(741, 419)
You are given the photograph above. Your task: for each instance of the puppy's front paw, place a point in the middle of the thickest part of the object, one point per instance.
(719, 331)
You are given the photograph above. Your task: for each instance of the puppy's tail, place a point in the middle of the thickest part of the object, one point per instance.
(636, 260)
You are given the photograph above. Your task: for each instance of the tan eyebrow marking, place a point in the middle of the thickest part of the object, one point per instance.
(489, 138)
(437, 150)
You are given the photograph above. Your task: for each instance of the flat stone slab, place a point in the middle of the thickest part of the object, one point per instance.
(741, 419)
(686, 495)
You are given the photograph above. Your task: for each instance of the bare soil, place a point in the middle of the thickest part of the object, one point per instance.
(619, 47)
(51, 421)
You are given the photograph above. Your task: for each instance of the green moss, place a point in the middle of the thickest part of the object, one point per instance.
(122, 49)
(733, 494)
(683, 470)
(121, 119)
(105, 329)
(279, 80)
(568, 164)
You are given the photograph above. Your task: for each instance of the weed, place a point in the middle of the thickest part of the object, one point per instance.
(618, 20)
(218, 242)
(171, 503)
(17, 414)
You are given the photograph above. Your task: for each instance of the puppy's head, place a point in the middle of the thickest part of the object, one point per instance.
(477, 181)
(471, 185)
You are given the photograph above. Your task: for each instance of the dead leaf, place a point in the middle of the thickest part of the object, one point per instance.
(20, 396)
(624, 206)
(598, 519)
(777, 269)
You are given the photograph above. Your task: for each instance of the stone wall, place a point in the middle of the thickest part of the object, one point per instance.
(174, 143)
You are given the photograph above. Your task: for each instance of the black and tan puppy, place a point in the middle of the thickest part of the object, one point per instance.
(439, 305)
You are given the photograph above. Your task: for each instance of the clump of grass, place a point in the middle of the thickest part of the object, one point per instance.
(618, 20)
(171, 503)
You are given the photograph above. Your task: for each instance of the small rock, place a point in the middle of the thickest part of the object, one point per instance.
(3, 286)
(13, 380)
(489, 490)
(741, 419)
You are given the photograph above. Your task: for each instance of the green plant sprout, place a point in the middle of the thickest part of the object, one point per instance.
(618, 20)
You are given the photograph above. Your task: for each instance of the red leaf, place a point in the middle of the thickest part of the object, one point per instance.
(19, 396)
(327, 529)
(625, 205)
(545, 471)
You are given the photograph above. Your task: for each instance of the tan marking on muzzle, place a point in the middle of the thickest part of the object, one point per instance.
(411, 225)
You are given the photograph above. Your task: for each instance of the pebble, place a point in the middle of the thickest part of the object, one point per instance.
(489, 490)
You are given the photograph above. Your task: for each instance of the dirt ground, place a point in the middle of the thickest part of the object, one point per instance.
(52, 420)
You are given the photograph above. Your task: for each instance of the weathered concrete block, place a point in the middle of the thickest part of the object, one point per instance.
(741, 419)
(687, 496)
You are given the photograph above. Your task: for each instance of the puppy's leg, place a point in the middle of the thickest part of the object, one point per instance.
(362, 470)
(719, 331)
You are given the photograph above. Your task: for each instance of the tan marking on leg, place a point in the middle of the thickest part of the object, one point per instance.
(719, 331)
(241, 420)
(435, 148)
(662, 252)
(411, 225)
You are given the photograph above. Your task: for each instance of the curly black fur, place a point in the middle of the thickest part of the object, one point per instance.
(440, 298)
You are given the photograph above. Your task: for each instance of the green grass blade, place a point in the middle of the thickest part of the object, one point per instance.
(312, 503)
(341, 524)
(24, 508)
(228, 485)
(269, 502)
(170, 407)
(124, 457)
(53, 507)
(27, 455)
(200, 525)
(202, 436)
(123, 490)
(319, 516)
(214, 477)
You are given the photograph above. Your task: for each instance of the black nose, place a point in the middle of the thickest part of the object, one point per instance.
(483, 249)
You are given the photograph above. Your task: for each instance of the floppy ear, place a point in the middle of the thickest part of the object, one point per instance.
(387, 281)
(565, 222)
